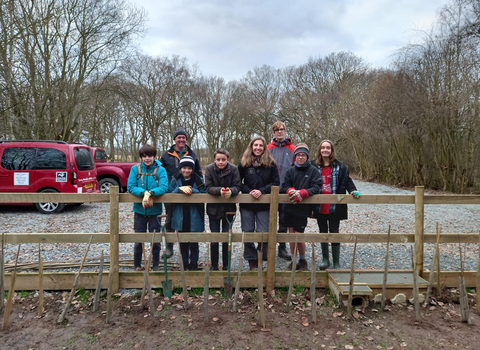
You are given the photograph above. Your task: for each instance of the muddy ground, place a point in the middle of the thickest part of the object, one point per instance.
(440, 325)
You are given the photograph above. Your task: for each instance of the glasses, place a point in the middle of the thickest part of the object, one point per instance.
(278, 130)
(300, 155)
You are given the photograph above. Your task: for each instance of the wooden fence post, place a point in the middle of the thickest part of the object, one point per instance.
(419, 221)
(272, 239)
(114, 240)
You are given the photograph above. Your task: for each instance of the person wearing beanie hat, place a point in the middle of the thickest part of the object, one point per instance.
(336, 180)
(301, 181)
(180, 131)
(282, 150)
(188, 217)
(301, 147)
(171, 162)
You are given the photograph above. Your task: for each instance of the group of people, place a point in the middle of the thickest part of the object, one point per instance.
(262, 166)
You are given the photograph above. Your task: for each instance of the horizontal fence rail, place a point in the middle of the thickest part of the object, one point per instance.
(273, 278)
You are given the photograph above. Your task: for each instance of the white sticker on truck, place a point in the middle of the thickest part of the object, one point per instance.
(61, 176)
(21, 179)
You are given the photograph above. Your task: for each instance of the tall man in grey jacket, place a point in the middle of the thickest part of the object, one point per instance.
(282, 150)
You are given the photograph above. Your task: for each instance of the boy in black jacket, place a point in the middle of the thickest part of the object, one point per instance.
(301, 181)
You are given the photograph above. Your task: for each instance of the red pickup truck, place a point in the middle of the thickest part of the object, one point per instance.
(110, 173)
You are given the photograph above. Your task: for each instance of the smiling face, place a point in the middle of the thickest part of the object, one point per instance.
(148, 160)
(180, 142)
(326, 149)
(186, 171)
(221, 160)
(258, 148)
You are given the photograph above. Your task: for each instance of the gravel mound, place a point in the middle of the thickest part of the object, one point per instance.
(366, 218)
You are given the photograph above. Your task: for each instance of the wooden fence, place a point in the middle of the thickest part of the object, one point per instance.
(63, 281)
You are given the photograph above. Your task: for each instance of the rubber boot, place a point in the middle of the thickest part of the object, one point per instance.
(326, 261)
(336, 255)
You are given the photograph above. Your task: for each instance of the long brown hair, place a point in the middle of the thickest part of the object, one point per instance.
(266, 159)
(332, 157)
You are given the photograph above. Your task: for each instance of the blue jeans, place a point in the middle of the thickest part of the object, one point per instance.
(255, 221)
(140, 224)
(215, 227)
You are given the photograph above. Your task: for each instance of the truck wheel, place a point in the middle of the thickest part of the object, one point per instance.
(105, 184)
(50, 208)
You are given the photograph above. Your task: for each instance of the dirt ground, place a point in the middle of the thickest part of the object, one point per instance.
(440, 325)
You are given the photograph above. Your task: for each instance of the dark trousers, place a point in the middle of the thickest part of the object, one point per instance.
(326, 224)
(282, 227)
(190, 252)
(140, 224)
(168, 222)
(215, 227)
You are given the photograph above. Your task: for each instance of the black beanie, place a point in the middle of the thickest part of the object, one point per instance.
(180, 131)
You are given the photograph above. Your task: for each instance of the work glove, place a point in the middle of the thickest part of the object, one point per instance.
(147, 201)
(355, 194)
(226, 192)
(299, 195)
(291, 192)
(186, 189)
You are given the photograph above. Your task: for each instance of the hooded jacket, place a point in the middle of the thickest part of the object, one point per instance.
(197, 210)
(283, 154)
(136, 188)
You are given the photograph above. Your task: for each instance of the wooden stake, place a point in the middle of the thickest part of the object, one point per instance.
(292, 277)
(75, 284)
(464, 307)
(2, 273)
(415, 286)
(144, 288)
(8, 308)
(206, 286)
(385, 272)
(182, 269)
(478, 276)
(313, 286)
(98, 290)
(40, 286)
(439, 285)
(108, 316)
(261, 305)
(432, 270)
(240, 267)
(352, 278)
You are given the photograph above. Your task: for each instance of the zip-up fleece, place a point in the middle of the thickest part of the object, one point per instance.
(307, 177)
(135, 187)
(283, 154)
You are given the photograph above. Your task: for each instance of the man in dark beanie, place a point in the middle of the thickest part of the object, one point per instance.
(171, 162)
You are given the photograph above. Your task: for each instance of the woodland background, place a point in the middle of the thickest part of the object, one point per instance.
(70, 70)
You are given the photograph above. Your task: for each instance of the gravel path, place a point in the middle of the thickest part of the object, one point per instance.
(94, 217)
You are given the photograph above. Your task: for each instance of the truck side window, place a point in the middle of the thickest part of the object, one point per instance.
(51, 158)
(100, 155)
(18, 158)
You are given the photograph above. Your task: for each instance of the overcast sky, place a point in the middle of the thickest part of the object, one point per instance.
(227, 38)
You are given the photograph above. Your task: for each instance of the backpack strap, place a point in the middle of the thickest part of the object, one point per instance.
(140, 174)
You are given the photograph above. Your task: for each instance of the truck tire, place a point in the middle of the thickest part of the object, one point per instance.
(50, 208)
(104, 184)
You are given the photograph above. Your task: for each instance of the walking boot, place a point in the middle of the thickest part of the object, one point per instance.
(283, 253)
(325, 261)
(336, 255)
(253, 264)
(302, 265)
(193, 266)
